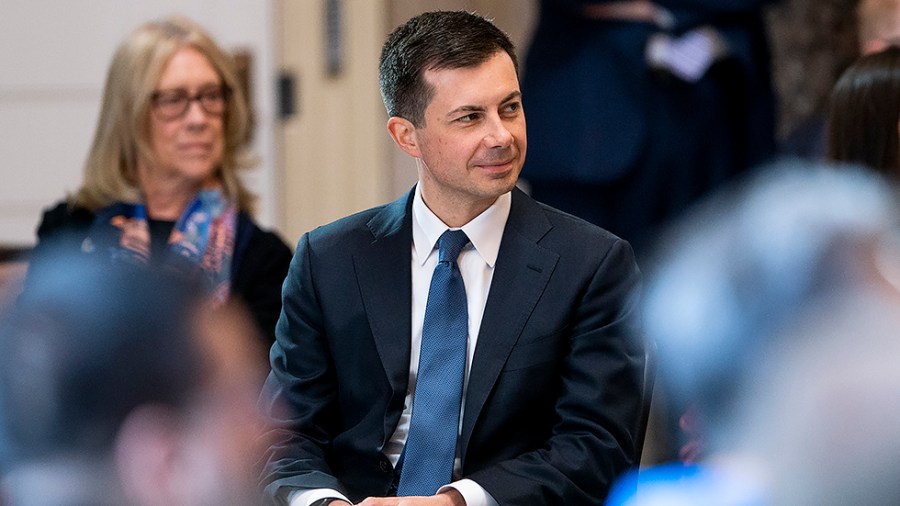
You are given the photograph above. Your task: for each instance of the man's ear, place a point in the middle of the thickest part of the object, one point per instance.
(404, 134)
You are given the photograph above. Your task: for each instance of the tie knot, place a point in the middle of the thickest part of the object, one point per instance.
(450, 244)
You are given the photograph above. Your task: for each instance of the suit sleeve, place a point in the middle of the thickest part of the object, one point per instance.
(593, 437)
(299, 393)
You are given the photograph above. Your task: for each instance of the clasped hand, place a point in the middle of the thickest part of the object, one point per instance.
(449, 498)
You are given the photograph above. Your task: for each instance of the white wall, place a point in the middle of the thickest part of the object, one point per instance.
(53, 59)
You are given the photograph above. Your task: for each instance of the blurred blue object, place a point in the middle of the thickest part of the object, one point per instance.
(683, 485)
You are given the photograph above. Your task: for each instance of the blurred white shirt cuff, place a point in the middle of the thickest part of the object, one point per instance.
(472, 492)
(307, 497)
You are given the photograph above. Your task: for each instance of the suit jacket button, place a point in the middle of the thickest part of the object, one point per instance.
(385, 466)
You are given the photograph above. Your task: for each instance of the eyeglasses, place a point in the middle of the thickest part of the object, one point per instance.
(173, 104)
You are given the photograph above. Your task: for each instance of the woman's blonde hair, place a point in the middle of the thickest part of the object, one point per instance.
(123, 128)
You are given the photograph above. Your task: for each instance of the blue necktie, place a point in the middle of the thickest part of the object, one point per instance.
(431, 445)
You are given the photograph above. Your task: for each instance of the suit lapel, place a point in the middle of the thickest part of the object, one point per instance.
(383, 271)
(522, 271)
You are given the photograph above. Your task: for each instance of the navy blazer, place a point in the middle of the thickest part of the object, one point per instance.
(555, 384)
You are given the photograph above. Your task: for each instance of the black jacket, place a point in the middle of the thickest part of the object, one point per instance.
(260, 261)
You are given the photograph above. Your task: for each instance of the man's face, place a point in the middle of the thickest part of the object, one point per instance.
(472, 144)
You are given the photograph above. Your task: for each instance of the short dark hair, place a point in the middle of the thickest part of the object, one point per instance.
(434, 40)
(864, 113)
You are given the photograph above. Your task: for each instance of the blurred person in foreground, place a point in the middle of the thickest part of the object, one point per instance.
(161, 182)
(463, 344)
(741, 296)
(824, 421)
(864, 113)
(119, 385)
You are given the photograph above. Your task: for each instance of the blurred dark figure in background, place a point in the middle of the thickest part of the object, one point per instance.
(162, 180)
(637, 108)
(743, 293)
(123, 386)
(864, 114)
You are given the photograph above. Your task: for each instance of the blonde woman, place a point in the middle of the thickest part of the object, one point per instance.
(161, 185)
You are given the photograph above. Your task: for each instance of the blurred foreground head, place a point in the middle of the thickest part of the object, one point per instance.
(821, 424)
(739, 282)
(123, 386)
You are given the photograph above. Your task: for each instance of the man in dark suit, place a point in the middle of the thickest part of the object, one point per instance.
(638, 108)
(552, 372)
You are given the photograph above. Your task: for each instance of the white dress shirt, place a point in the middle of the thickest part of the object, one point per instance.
(476, 264)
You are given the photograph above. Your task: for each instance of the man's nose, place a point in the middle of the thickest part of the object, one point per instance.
(498, 135)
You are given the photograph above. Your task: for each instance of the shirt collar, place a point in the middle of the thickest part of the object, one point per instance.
(484, 231)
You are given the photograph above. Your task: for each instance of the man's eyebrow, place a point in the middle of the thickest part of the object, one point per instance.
(475, 108)
(513, 95)
(465, 108)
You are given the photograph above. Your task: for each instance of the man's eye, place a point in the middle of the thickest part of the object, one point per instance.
(513, 107)
(468, 118)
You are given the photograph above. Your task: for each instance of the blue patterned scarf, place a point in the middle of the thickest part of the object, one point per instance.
(201, 242)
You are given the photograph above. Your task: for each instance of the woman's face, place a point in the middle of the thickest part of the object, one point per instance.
(190, 145)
